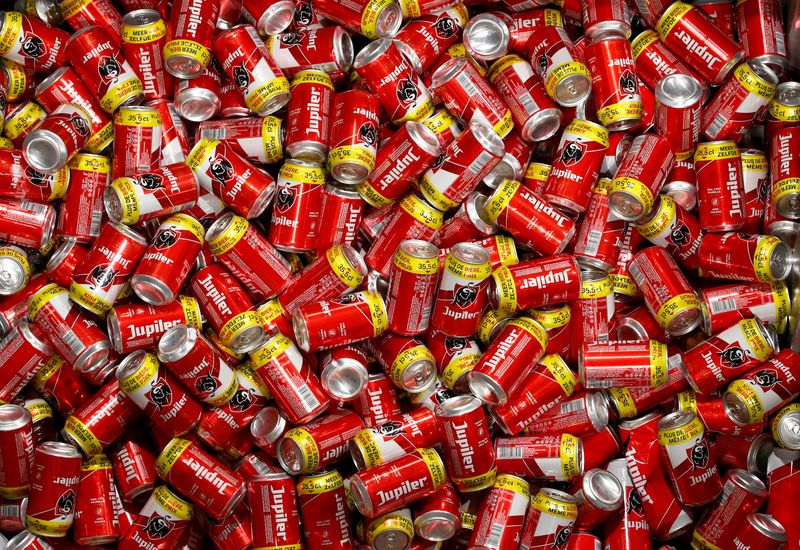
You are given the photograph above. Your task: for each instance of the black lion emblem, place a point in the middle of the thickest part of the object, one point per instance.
(368, 134)
(733, 357)
(33, 46)
(158, 527)
(699, 454)
(221, 169)
(165, 239)
(766, 378)
(680, 235)
(445, 26)
(206, 384)
(407, 91)
(542, 62)
(455, 343)
(241, 76)
(66, 503)
(109, 69)
(102, 276)
(627, 83)
(763, 189)
(304, 15)
(347, 299)
(572, 152)
(390, 429)
(291, 38)
(464, 296)
(150, 181)
(241, 400)
(562, 536)
(285, 199)
(635, 502)
(40, 179)
(160, 394)
(79, 124)
(439, 160)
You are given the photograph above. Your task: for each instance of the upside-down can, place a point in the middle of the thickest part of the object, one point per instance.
(760, 27)
(640, 176)
(323, 508)
(614, 83)
(549, 520)
(81, 215)
(55, 475)
(95, 517)
(144, 35)
(720, 189)
(501, 515)
(667, 293)
(413, 279)
(466, 444)
(593, 309)
(191, 33)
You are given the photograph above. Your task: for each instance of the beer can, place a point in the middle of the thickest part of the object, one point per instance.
(327, 49)
(363, 17)
(30, 53)
(405, 360)
(343, 372)
(137, 140)
(350, 318)
(95, 516)
(720, 189)
(593, 309)
(557, 62)
(388, 530)
(437, 517)
(319, 444)
(65, 389)
(144, 35)
(550, 457)
(759, 23)
(323, 509)
(782, 110)
(341, 213)
(501, 514)
(24, 352)
(55, 475)
(583, 414)
(623, 364)
(191, 31)
(678, 112)
(468, 454)
(395, 437)
(413, 280)
(756, 185)
(81, 215)
(629, 527)
(785, 172)
(298, 206)
(16, 451)
(424, 39)
(614, 83)
(599, 496)
(162, 521)
(21, 120)
(354, 136)
(461, 297)
(762, 391)
(51, 145)
(134, 469)
(640, 177)
(549, 519)
(725, 305)
(308, 119)
(754, 258)
(140, 326)
(671, 227)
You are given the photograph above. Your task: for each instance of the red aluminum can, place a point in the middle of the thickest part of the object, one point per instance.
(20, 181)
(134, 469)
(275, 515)
(423, 39)
(191, 32)
(50, 146)
(391, 485)
(350, 318)
(354, 136)
(681, 183)
(298, 206)
(72, 335)
(549, 520)
(200, 98)
(222, 171)
(413, 281)
(248, 256)
(556, 321)
(65, 86)
(381, 21)
(782, 110)
(437, 517)
(65, 388)
(193, 360)
(623, 364)
(583, 414)
(723, 357)
(161, 523)
(500, 369)
(461, 297)
(760, 27)
(55, 476)
(151, 194)
(23, 353)
(678, 113)
(208, 483)
(249, 65)
(739, 101)
(95, 517)
(342, 207)
(97, 58)
(640, 177)
(227, 308)
(140, 326)
(532, 221)
(258, 139)
(628, 529)
(761, 531)
(158, 393)
(614, 83)
(168, 259)
(26, 224)
(465, 91)
(632, 402)
(308, 118)
(32, 43)
(410, 218)
(465, 225)
(394, 438)
(744, 493)
(327, 49)
(21, 120)
(99, 280)
(721, 13)
(101, 12)
(672, 228)
(268, 16)
(343, 372)
(400, 90)
(686, 31)
(720, 189)
(16, 451)
(290, 379)
(144, 35)
(318, 444)
(465, 162)
(499, 522)
(599, 17)
(340, 270)
(137, 140)
(323, 508)
(727, 304)
(535, 283)
(81, 214)
(174, 139)
(783, 474)
(400, 161)
(755, 258)
(466, 444)
(15, 306)
(378, 403)
(654, 61)
(785, 171)
(559, 64)
(667, 293)
(593, 309)
(599, 232)
(550, 457)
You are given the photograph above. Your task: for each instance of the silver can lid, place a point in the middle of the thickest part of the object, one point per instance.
(268, 426)
(13, 417)
(748, 481)
(780, 261)
(130, 364)
(678, 91)
(13, 274)
(597, 410)
(458, 405)
(343, 49)
(56, 448)
(177, 342)
(787, 430)
(486, 389)
(424, 137)
(197, 104)
(371, 52)
(788, 93)
(45, 151)
(417, 248)
(486, 37)
(344, 379)
(767, 526)
(277, 17)
(676, 420)
(602, 489)
(140, 18)
(470, 253)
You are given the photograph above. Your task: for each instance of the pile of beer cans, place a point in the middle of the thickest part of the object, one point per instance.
(398, 274)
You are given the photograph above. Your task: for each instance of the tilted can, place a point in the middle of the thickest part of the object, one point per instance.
(550, 457)
(761, 531)
(413, 279)
(671, 227)
(23, 352)
(55, 475)
(372, 19)
(764, 390)
(599, 232)
(437, 517)
(191, 33)
(407, 362)
(81, 215)
(395, 437)
(755, 258)
(690, 459)
(66, 389)
(41, 39)
(51, 145)
(623, 364)
(259, 140)
(139, 326)
(593, 309)
(26, 224)
(614, 83)
(678, 112)
(549, 520)
(502, 513)
(162, 521)
(137, 140)
(782, 110)
(317, 445)
(629, 527)
(640, 177)
(134, 469)
(720, 189)
(424, 39)
(554, 58)
(466, 444)
(759, 23)
(727, 304)
(323, 48)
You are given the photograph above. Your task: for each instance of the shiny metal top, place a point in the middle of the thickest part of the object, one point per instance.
(767, 526)
(220, 225)
(678, 90)
(424, 137)
(455, 406)
(748, 481)
(486, 37)
(788, 93)
(56, 448)
(675, 420)
(130, 364)
(419, 249)
(602, 489)
(177, 342)
(371, 52)
(13, 417)
(140, 18)
(470, 253)
(487, 137)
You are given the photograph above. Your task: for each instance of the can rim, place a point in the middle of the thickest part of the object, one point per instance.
(458, 405)
(13, 417)
(140, 18)
(767, 526)
(494, 40)
(176, 342)
(371, 52)
(56, 448)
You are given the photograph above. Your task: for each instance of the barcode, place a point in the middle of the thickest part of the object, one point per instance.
(478, 164)
(528, 103)
(636, 273)
(780, 42)
(307, 397)
(509, 452)
(716, 125)
(572, 406)
(729, 304)
(213, 133)
(34, 206)
(97, 220)
(7, 511)
(674, 361)
(495, 534)
(469, 87)
(74, 343)
(592, 242)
